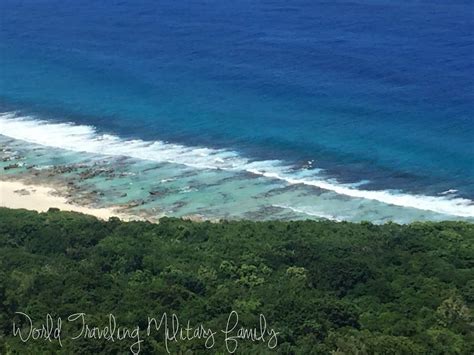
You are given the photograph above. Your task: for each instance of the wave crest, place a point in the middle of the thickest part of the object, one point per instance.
(82, 138)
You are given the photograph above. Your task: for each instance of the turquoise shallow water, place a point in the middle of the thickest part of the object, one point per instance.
(264, 109)
(153, 189)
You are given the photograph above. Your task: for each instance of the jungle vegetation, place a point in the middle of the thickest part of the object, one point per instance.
(325, 287)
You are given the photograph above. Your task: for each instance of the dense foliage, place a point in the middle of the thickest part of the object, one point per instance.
(325, 287)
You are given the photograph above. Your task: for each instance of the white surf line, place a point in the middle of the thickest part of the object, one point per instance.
(81, 138)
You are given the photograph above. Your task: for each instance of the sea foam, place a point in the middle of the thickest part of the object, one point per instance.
(82, 138)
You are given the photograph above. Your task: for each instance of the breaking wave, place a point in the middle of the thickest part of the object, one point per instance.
(82, 138)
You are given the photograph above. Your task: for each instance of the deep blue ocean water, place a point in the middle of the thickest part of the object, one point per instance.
(375, 93)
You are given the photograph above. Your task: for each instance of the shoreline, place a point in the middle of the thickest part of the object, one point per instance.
(18, 194)
(134, 189)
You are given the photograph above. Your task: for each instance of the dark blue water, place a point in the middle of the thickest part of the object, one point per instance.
(370, 90)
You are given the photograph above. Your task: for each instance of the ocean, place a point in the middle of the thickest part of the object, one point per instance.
(347, 110)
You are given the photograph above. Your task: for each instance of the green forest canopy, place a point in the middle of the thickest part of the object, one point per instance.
(325, 287)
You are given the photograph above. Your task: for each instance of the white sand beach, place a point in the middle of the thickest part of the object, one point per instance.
(16, 194)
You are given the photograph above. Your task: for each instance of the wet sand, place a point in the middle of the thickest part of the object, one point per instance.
(16, 194)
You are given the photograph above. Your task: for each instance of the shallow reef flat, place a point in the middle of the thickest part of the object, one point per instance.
(150, 190)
